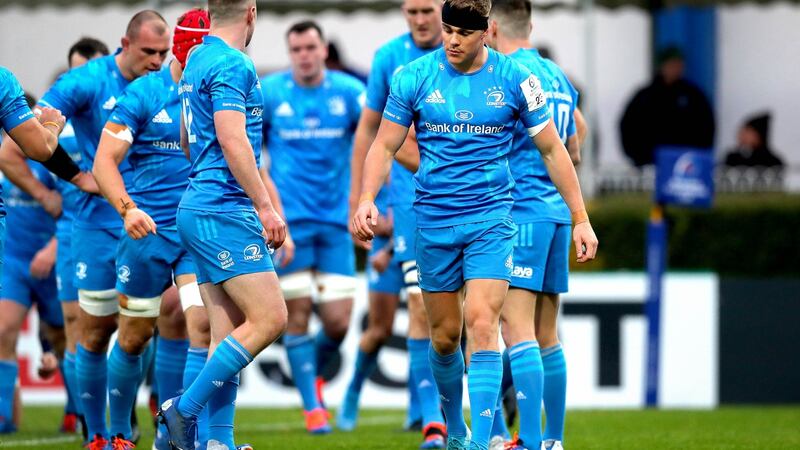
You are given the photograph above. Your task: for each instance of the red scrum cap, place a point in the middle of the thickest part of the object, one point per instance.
(191, 28)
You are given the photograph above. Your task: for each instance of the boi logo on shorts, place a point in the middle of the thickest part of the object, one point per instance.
(225, 259)
(253, 253)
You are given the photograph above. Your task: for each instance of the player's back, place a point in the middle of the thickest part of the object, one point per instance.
(28, 225)
(217, 78)
(150, 108)
(86, 95)
(464, 129)
(535, 196)
(309, 134)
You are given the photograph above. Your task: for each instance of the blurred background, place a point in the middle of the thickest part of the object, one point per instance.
(725, 321)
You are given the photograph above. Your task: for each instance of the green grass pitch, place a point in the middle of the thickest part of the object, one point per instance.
(727, 428)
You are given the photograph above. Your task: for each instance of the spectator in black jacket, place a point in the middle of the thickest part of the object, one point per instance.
(669, 111)
(752, 145)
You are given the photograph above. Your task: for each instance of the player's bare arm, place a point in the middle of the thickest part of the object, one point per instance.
(14, 167)
(230, 127)
(562, 172)
(39, 138)
(408, 155)
(367, 129)
(376, 168)
(114, 145)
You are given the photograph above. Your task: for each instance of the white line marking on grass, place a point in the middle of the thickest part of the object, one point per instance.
(38, 442)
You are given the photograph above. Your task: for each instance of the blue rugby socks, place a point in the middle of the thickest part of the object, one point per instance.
(424, 382)
(92, 372)
(484, 377)
(301, 350)
(448, 371)
(8, 379)
(526, 368)
(555, 391)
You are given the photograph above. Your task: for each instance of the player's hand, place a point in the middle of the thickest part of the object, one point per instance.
(285, 255)
(51, 202)
(42, 263)
(274, 227)
(49, 365)
(585, 242)
(365, 218)
(52, 115)
(138, 223)
(380, 260)
(85, 182)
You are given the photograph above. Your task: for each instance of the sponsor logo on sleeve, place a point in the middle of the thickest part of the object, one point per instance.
(533, 92)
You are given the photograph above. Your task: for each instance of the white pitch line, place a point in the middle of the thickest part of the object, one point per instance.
(38, 442)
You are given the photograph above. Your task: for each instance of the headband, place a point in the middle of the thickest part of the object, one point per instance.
(466, 18)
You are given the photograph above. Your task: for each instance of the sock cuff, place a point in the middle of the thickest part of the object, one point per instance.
(454, 357)
(237, 349)
(120, 354)
(521, 348)
(295, 340)
(418, 344)
(164, 344)
(551, 350)
(485, 356)
(198, 351)
(82, 353)
(69, 357)
(9, 365)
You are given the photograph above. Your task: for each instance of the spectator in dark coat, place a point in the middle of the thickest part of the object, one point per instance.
(752, 145)
(669, 111)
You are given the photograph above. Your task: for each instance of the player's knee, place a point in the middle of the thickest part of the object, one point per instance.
(337, 329)
(297, 285)
(333, 287)
(98, 303)
(446, 338)
(140, 306)
(135, 343)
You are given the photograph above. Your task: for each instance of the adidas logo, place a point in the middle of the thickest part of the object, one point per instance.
(436, 97)
(487, 413)
(162, 117)
(424, 383)
(521, 396)
(110, 103)
(284, 110)
(115, 392)
(218, 383)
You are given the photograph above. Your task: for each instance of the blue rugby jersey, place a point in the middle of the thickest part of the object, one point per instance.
(217, 78)
(309, 134)
(14, 108)
(388, 61)
(86, 95)
(536, 199)
(150, 108)
(465, 125)
(28, 226)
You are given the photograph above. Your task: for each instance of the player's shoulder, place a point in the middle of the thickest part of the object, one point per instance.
(428, 63)
(6, 76)
(275, 79)
(9, 85)
(394, 46)
(148, 83)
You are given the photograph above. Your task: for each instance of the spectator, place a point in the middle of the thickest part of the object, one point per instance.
(669, 111)
(752, 146)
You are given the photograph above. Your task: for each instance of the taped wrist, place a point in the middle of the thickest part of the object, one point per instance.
(62, 165)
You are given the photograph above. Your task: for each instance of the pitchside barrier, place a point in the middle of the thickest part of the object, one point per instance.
(603, 330)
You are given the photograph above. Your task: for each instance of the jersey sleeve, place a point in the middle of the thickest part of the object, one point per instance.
(230, 83)
(70, 93)
(400, 105)
(14, 109)
(132, 107)
(531, 99)
(378, 82)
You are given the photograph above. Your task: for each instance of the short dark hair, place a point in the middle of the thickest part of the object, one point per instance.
(87, 47)
(303, 26)
(225, 10)
(513, 16)
(143, 17)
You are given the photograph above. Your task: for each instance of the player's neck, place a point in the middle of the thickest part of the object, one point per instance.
(508, 46)
(474, 65)
(175, 71)
(314, 81)
(126, 72)
(234, 35)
